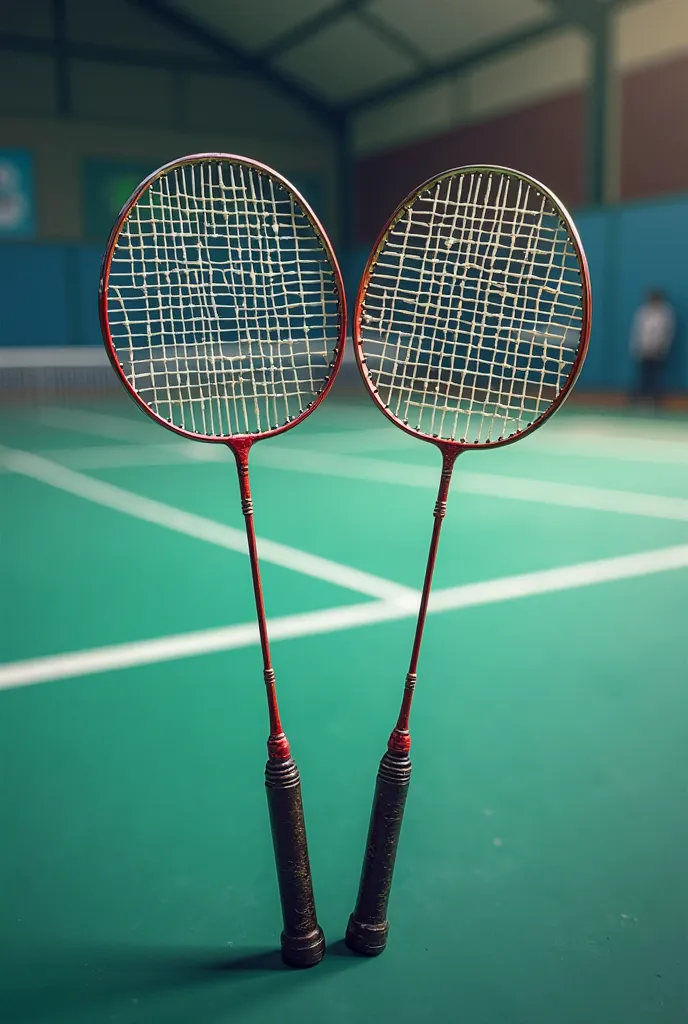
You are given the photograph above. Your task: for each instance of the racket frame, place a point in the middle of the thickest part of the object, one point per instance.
(368, 927)
(234, 441)
(302, 940)
(586, 304)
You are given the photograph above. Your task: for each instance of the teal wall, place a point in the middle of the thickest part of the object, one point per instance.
(48, 291)
(630, 248)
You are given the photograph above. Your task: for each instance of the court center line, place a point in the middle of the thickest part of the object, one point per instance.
(192, 525)
(186, 645)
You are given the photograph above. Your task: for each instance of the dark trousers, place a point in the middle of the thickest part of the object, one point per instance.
(649, 379)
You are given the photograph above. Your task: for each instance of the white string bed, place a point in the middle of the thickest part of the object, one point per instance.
(223, 304)
(472, 317)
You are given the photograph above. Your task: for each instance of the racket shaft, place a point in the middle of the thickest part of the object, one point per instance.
(368, 926)
(303, 943)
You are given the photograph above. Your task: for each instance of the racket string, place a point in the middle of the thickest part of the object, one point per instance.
(223, 301)
(473, 312)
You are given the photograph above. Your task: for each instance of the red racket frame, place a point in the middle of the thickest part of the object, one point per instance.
(368, 926)
(234, 440)
(566, 219)
(451, 450)
(239, 444)
(302, 940)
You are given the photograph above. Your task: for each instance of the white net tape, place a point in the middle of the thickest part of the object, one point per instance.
(223, 304)
(472, 317)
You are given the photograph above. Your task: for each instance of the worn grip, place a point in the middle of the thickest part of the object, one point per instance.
(303, 943)
(368, 925)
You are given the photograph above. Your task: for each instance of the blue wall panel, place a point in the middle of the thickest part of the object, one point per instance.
(87, 269)
(651, 251)
(34, 294)
(48, 292)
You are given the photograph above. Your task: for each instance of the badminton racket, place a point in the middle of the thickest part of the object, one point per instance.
(470, 328)
(222, 310)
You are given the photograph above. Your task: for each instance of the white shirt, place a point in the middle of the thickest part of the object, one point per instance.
(653, 331)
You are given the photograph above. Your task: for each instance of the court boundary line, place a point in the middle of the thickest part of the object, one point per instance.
(200, 527)
(50, 668)
(494, 485)
(318, 463)
(344, 466)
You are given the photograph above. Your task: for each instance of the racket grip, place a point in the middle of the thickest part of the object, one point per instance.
(368, 926)
(303, 942)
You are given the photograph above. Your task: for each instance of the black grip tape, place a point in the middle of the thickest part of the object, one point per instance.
(368, 925)
(303, 943)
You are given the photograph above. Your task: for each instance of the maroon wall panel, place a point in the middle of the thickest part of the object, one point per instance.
(546, 141)
(654, 130)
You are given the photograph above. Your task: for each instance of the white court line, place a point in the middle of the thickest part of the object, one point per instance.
(101, 424)
(670, 453)
(186, 645)
(627, 428)
(596, 499)
(570, 428)
(101, 493)
(321, 463)
(121, 428)
(169, 453)
(592, 437)
(129, 456)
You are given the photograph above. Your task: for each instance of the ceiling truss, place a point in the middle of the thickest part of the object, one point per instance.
(589, 15)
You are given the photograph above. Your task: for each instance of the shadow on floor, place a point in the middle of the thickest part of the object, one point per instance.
(74, 983)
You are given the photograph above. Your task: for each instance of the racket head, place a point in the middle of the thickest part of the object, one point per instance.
(223, 257)
(550, 377)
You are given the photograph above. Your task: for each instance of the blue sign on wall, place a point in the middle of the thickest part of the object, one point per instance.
(17, 202)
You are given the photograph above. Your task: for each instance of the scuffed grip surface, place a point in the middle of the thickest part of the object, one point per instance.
(368, 925)
(303, 943)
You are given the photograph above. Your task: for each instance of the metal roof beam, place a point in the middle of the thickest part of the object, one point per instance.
(455, 65)
(238, 60)
(601, 115)
(104, 54)
(63, 89)
(594, 17)
(587, 14)
(393, 36)
(305, 29)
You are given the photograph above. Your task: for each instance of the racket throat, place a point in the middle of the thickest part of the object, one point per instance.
(400, 739)
(278, 744)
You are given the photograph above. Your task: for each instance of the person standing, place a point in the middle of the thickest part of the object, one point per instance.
(654, 325)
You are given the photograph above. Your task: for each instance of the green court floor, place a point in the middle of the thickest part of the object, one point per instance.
(542, 870)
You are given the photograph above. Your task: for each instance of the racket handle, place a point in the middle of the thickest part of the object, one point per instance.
(303, 942)
(368, 926)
